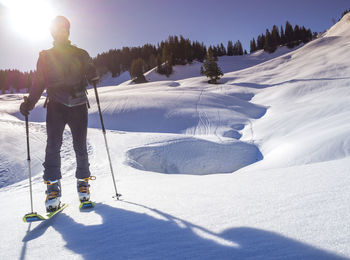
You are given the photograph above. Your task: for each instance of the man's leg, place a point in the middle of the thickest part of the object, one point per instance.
(78, 121)
(55, 123)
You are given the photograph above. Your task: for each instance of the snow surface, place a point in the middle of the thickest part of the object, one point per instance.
(108, 80)
(254, 168)
(341, 28)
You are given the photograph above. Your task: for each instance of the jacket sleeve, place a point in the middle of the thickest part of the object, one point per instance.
(90, 69)
(38, 84)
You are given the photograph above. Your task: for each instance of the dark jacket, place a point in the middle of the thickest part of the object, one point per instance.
(64, 70)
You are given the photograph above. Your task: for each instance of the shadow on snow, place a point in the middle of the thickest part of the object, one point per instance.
(129, 235)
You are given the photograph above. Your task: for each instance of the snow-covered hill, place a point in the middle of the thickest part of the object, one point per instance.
(226, 63)
(254, 168)
(341, 28)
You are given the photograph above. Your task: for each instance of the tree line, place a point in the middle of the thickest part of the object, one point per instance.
(176, 50)
(11, 81)
(288, 36)
(231, 49)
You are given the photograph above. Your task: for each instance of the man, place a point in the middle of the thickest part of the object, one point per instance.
(64, 70)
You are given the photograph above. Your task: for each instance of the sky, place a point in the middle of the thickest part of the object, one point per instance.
(100, 25)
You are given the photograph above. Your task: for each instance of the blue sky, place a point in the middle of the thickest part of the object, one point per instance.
(100, 25)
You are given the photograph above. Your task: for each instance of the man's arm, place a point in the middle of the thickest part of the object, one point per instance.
(37, 87)
(38, 84)
(90, 69)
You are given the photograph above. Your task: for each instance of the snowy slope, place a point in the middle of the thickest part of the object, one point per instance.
(341, 28)
(254, 168)
(108, 80)
(226, 63)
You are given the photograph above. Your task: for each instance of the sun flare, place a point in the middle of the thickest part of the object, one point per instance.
(30, 19)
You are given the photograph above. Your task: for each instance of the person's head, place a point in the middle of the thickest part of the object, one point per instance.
(60, 29)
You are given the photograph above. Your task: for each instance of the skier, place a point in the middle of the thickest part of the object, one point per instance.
(64, 70)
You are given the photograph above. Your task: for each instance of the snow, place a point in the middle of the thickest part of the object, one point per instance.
(341, 28)
(256, 167)
(194, 156)
(108, 80)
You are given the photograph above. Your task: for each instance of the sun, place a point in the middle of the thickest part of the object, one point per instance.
(30, 19)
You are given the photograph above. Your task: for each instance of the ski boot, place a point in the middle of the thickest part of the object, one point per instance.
(83, 188)
(84, 193)
(53, 195)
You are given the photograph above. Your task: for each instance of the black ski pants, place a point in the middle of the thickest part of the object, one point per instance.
(58, 115)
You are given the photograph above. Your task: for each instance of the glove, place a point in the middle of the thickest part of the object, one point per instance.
(92, 75)
(25, 107)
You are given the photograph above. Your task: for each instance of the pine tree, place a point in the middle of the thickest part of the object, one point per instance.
(253, 47)
(214, 50)
(261, 42)
(166, 52)
(211, 69)
(297, 34)
(187, 51)
(222, 50)
(289, 32)
(230, 48)
(137, 68)
(152, 62)
(240, 48)
(237, 48)
(283, 36)
(269, 45)
(275, 37)
(159, 60)
(166, 65)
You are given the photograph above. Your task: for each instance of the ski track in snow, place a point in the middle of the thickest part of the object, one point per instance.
(202, 124)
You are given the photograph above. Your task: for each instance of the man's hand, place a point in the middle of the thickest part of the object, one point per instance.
(94, 80)
(25, 107)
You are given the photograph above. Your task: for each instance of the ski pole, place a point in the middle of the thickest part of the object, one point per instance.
(28, 160)
(117, 195)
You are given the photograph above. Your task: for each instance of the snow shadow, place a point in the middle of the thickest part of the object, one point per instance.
(243, 96)
(125, 234)
(194, 156)
(37, 115)
(232, 134)
(149, 120)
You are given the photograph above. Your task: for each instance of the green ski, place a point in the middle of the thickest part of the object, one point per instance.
(86, 205)
(31, 217)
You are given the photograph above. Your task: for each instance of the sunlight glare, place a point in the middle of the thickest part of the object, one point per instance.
(30, 19)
